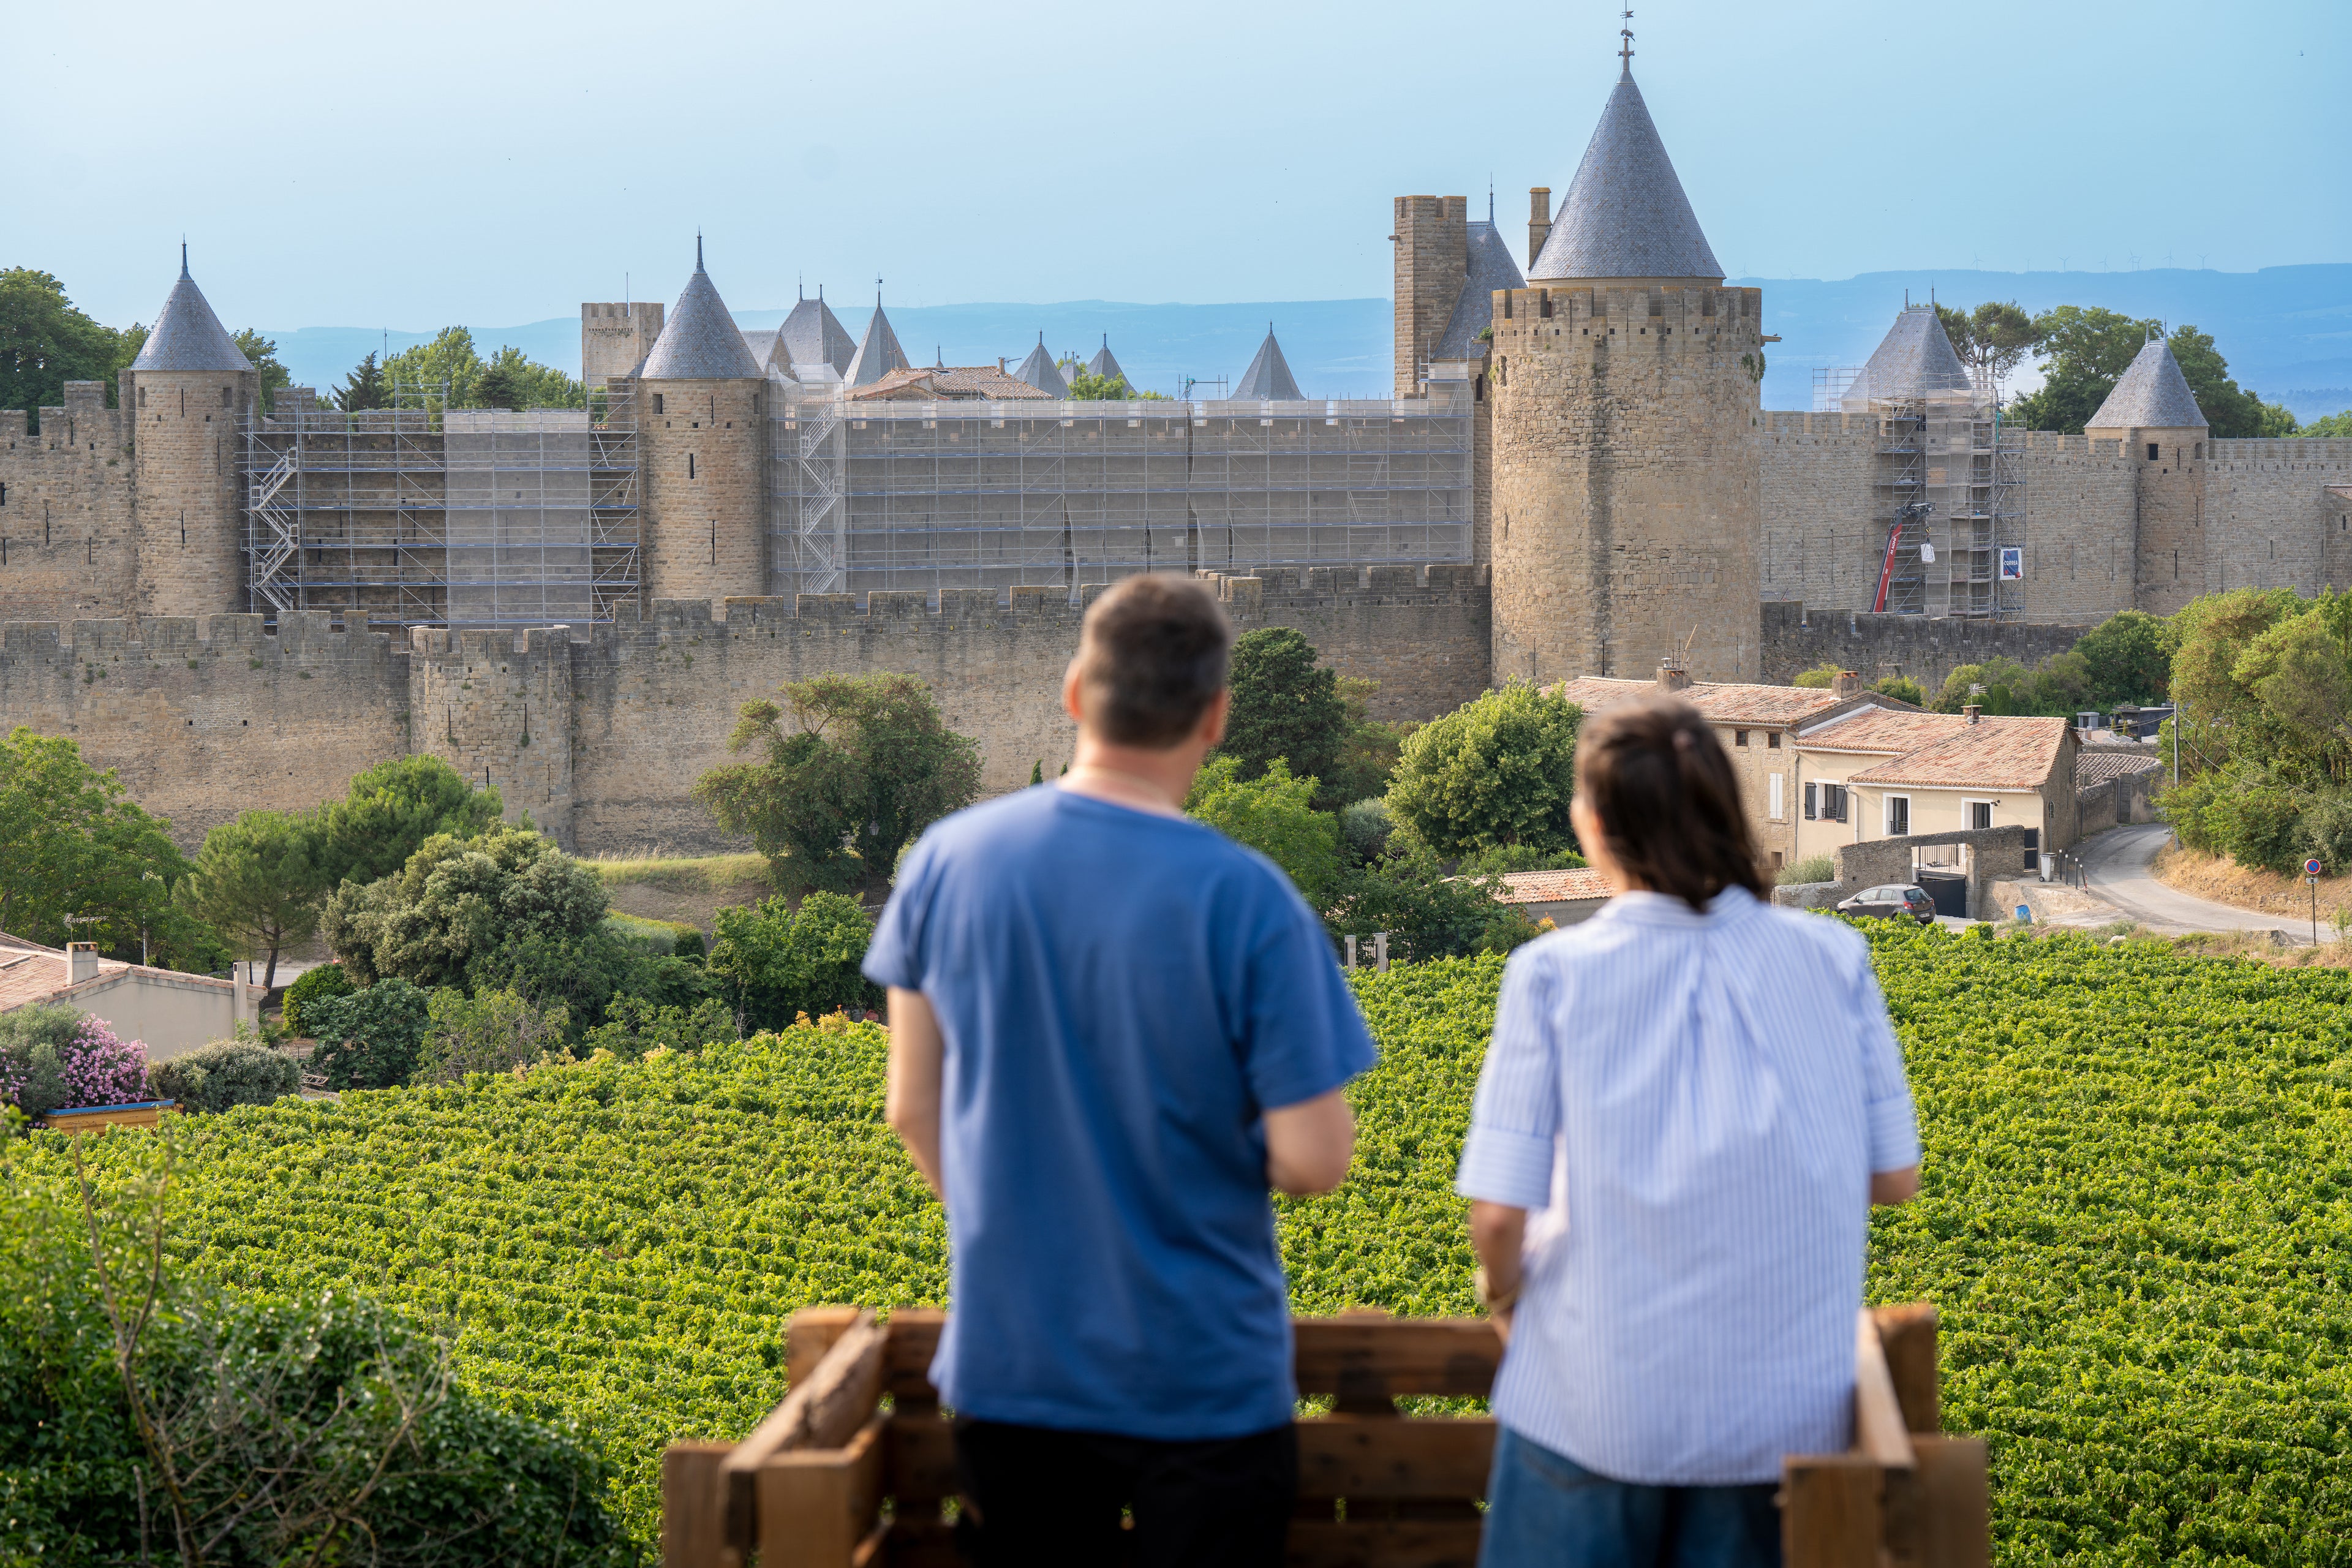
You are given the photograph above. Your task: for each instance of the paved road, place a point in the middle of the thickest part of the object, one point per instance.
(2116, 864)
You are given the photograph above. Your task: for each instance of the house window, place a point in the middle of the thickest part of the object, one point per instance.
(1780, 807)
(1771, 740)
(1740, 737)
(1979, 813)
(2152, 450)
(1898, 816)
(1825, 802)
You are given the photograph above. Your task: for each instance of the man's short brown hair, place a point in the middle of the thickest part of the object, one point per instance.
(1152, 658)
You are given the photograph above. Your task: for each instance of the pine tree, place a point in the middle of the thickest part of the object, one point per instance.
(363, 388)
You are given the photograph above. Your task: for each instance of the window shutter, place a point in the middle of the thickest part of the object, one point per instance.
(1812, 796)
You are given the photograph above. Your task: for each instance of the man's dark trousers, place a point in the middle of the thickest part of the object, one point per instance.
(1046, 1498)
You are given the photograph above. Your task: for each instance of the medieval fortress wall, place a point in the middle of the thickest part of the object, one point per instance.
(600, 733)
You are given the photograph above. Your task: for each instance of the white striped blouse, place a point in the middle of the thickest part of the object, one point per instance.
(1693, 1105)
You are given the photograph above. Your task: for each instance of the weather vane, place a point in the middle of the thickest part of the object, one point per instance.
(1625, 50)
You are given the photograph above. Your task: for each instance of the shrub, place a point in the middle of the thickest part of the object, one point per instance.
(2326, 832)
(370, 1039)
(320, 985)
(774, 961)
(635, 1025)
(1496, 771)
(225, 1074)
(660, 939)
(2184, 808)
(1811, 869)
(101, 1068)
(1820, 677)
(492, 1031)
(1275, 814)
(1364, 828)
(2256, 823)
(1903, 689)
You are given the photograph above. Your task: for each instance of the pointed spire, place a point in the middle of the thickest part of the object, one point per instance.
(1268, 378)
(700, 342)
(1626, 215)
(813, 336)
(1105, 363)
(1038, 370)
(2151, 395)
(1491, 266)
(1913, 360)
(187, 335)
(879, 354)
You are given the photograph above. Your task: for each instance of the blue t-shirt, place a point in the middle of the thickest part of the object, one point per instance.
(1121, 996)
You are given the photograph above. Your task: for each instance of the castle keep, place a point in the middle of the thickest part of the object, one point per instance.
(1573, 477)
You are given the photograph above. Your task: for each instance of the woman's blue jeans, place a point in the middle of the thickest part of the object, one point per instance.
(1546, 1511)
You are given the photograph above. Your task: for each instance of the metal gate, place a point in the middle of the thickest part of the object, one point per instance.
(1949, 890)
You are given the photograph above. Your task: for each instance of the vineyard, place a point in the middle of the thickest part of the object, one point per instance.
(2135, 1219)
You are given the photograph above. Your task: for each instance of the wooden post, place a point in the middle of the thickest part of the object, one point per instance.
(1830, 1511)
(694, 1514)
(817, 1505)
(1938, 1515)
(1908, 1334)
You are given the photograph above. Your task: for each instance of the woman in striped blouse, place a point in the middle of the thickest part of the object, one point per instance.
(1690, 1103)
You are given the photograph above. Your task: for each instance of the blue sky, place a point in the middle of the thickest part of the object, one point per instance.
(410, 164)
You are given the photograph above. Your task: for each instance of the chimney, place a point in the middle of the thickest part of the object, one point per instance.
(1672, 675)
(1538, 220)
(81, 961)
(1973, 713)
(1844, 684)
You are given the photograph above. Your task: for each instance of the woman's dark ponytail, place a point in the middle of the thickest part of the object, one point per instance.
(1657, 778)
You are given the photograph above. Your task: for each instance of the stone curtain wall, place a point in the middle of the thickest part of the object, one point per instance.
(65, 546)
(2082, 539)
(1820, 543)
(1927, 649)
(600, 735)
(2269, 521)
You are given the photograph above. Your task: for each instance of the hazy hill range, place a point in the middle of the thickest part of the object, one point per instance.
(2286, 331)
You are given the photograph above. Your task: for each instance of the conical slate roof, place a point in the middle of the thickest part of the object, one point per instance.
(2152, 395)
(1913, 360)
(878, 355)
(1038, 370)
(1491, 267)
(1626, 215)
(1267, 380)
(700, 342)
(813, 335)
(1104, 364)
(187, 335)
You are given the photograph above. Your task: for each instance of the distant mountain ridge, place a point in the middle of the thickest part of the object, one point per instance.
(2286, 331)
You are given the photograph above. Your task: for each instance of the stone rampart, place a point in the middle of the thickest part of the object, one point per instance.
(600, 733)
(1922, 647)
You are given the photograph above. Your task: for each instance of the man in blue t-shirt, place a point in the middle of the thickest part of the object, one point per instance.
(1112, 1030)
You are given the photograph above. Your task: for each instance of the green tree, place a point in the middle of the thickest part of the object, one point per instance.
(864, 765)
(774, 961)
(1088, 387)
(256, 882)
(1275, 814)
(507, 379)
(465, 912)
(1499, 770)
(73, 843)
(2229, 411)
(391, 809)
(370, 1039)
(491, 1031)
(1990, 339)
(1367, 759)
(636, 1025)
(1285, 706)
(2337, 426)
(2128, 658)
(510, 380)
(2084, 351)
(447, 360)
(364, 387)
(321, 983)
(1903, 689)
(1428, 912)
(1820, 677)
(263, 352)
(45, 343)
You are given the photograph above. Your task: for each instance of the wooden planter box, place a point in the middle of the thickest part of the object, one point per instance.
(830, 1480)
(92, 1117)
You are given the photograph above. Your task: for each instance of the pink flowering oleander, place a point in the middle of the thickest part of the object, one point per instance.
(11, 1087)
(102, 1068)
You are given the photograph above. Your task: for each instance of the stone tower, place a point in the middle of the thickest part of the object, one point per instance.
(2164, 435)
(1431, 261)
(615, 336)
(702, 439)
(184, 393)
(1443, 339)
(1626, 519)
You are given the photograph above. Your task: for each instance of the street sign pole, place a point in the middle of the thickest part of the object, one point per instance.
(2311, 875)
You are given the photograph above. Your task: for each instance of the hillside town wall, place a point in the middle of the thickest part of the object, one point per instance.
(599, 734)
(1797, 639)
(2270, 520)
(65, 511)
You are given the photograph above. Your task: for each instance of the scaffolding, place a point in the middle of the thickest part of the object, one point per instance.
(1948, 502)
(867, 494)
(424, 514)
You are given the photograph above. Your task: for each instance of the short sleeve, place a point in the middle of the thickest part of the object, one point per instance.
(1514, 1117)
(896, 957)
(1893, 1127)
(1303, 1034)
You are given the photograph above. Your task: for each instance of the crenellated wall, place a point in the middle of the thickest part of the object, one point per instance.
(66, 511)
(600, 733)
(1797, 637)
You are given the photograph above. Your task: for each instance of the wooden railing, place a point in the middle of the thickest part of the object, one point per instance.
(833, 1479)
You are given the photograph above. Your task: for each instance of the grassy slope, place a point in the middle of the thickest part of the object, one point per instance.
(2133, 1218)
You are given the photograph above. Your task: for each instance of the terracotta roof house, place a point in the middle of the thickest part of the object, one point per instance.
(948, 383)
(1875, 773)
(1563, 897)
(172, 1012)
(1756, 725)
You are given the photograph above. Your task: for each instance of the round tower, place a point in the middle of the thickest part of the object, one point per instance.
(184, 396)
(1625, 511)
(2165, 439)
(702, 439)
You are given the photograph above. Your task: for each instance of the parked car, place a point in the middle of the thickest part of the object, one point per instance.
(1894, 902)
